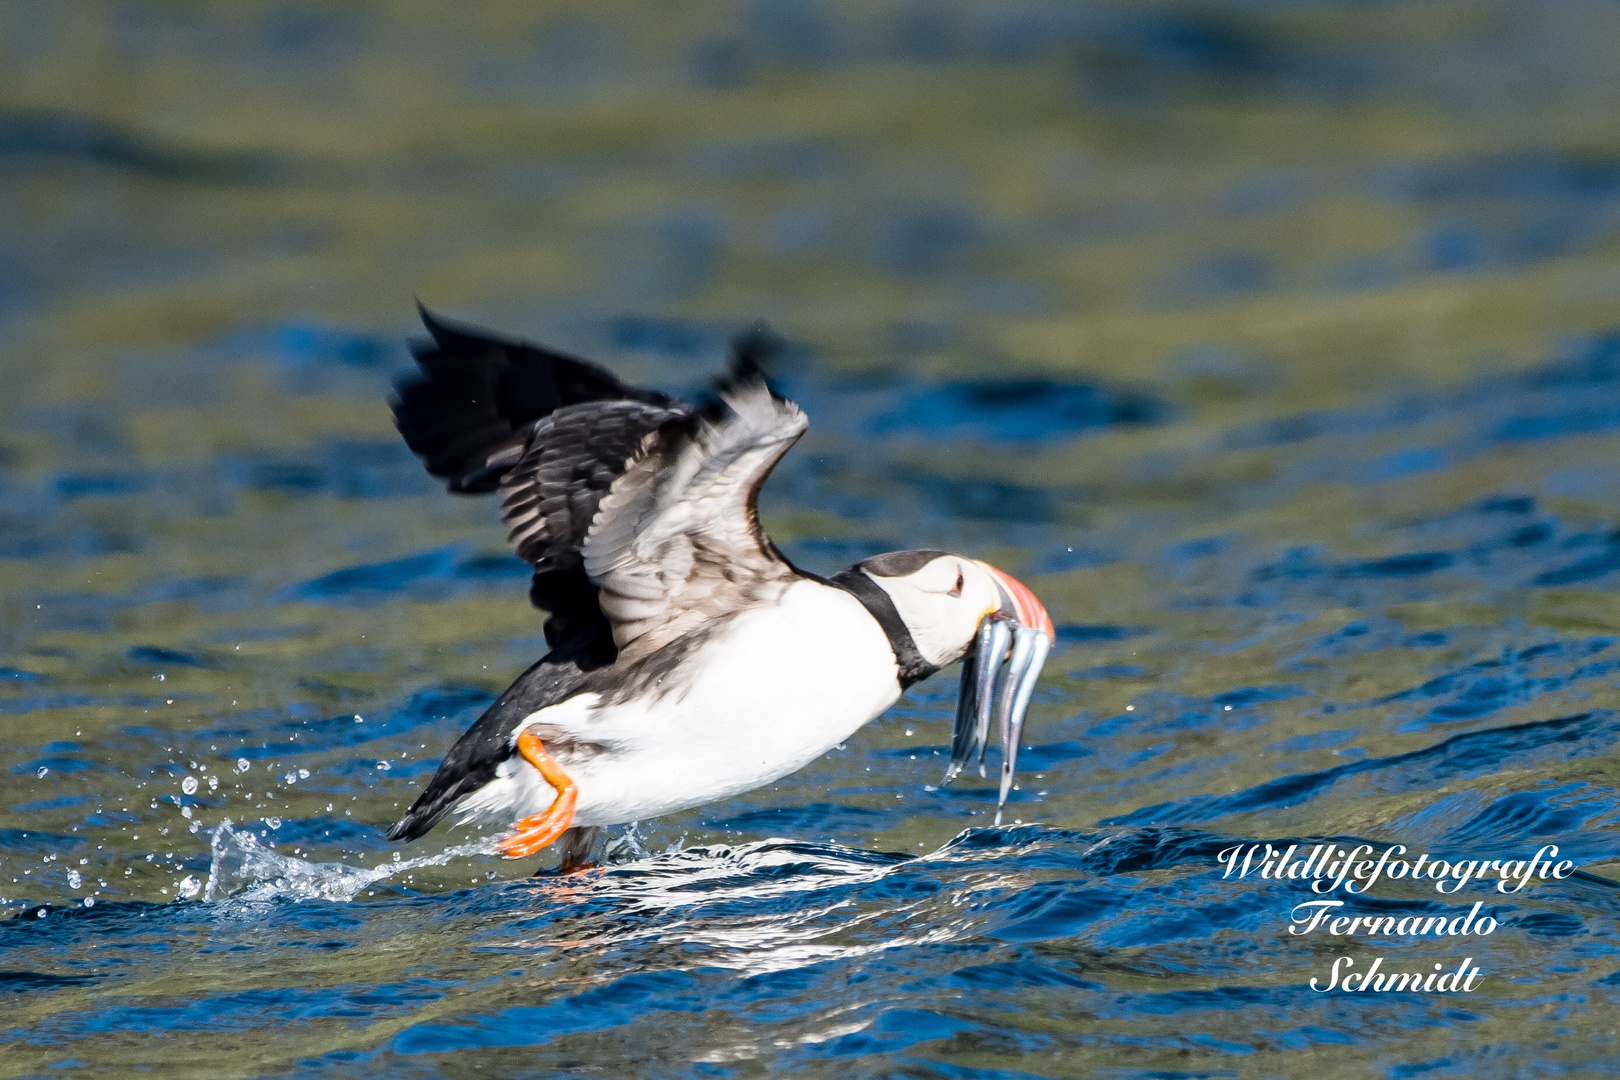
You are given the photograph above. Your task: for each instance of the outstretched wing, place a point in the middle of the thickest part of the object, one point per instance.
(550, 496)
(551, 432)
(676, 541)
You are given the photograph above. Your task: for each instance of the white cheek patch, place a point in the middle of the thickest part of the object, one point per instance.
(941, 625)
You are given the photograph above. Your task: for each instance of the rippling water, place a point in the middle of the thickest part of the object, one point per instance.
(1277, 346)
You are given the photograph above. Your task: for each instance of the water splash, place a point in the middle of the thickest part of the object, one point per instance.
(242, 868)
(629, 846)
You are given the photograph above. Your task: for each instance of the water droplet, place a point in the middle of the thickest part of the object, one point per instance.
(189, 886)
(213, 783)
(273, 822)
(185, 812)
(303, 774)
(89, 901)
(396, 856)
(189, 785)
(74, 879)
(382, 766)
(242, 764)
(40, 774)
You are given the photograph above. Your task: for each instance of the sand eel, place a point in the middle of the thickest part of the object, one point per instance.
(689, 660)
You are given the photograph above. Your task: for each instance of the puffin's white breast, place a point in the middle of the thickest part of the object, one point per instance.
(777, 687)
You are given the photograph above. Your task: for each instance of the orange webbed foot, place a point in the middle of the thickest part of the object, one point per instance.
(532, 833)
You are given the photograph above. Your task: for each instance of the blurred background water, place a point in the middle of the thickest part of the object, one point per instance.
(1276, 345)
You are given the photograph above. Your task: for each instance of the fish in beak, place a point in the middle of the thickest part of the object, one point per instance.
(1022, 625)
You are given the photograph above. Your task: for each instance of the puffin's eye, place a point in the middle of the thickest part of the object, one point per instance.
(957, 589)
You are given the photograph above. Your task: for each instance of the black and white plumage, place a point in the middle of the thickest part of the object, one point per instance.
(689, 660)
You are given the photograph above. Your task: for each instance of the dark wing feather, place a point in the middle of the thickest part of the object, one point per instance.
(468, 411)
(550, 495)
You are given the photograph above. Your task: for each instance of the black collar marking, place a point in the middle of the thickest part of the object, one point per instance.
(855, 581)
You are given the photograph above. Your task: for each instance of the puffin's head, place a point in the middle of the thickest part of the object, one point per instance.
(957, 608)
(944, 599)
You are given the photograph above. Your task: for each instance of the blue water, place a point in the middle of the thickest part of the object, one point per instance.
(1277, 347)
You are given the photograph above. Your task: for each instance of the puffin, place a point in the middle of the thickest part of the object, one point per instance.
(688, 660)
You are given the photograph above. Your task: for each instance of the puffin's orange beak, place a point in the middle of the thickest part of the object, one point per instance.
(1022, 622)
(1019, 603)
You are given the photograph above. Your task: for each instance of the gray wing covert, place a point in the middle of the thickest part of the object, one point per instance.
(676, 541)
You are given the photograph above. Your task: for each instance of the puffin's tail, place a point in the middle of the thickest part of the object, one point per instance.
(430, 808)
(426, 812)
(475, 759)
(471, 763)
